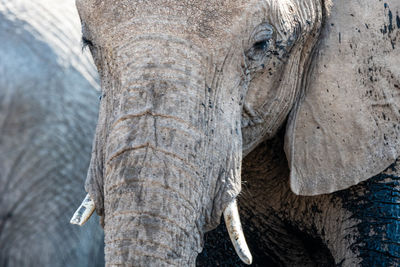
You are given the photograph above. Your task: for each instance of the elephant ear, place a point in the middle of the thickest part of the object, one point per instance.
(345, 128)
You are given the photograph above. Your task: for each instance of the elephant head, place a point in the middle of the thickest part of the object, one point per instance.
(190, 87)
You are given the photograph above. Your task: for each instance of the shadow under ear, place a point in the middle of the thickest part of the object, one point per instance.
(273, 238)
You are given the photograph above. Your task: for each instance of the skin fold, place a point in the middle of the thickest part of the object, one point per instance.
(48, 108)
(190, 88)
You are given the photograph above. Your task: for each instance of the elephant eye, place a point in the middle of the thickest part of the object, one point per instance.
(261, 45)
(262, 38)
(262, 35)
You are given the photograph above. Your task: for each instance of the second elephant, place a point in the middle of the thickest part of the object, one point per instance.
(48, 110)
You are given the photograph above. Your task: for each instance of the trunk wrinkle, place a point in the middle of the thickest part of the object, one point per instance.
(142, 241)
(151, 215)
(126, 117)
(114, 188)
(154, 148)
(139, 253)
(192, 176)
(155, 131)
(131, 235)
(135, 85)
(182, 71)
(181, 45)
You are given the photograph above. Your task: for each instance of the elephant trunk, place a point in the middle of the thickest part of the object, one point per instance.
(150, 214)
(151, 208)
(167, 155)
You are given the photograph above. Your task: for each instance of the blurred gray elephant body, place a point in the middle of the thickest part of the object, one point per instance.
(192, 87)
(48, 108)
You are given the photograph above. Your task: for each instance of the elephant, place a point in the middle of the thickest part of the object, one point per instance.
(299, 96)
(48, 110)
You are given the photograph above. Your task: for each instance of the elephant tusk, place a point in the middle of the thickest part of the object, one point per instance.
(83, 213)
(232, 221)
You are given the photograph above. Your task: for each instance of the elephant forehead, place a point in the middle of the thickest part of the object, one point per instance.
(196, 11)
(202, 20)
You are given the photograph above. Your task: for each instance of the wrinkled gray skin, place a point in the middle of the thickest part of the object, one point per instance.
(48, 109)
(190, 87)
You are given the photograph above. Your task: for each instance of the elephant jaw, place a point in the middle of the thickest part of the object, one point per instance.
(231, 217)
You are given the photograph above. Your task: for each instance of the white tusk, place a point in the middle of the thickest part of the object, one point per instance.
(232, 221)
(83, 213)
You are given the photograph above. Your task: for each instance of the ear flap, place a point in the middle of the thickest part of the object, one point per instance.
(345, 128)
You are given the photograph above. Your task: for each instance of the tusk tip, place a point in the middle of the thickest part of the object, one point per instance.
(83, 213)
(247, 259)
(245, 256)
(76, 221)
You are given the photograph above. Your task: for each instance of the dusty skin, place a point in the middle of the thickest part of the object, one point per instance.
(191, 87)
